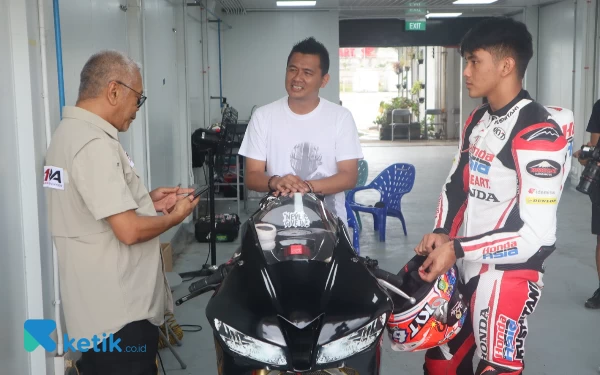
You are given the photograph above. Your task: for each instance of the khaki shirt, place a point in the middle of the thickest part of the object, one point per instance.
(104, 283)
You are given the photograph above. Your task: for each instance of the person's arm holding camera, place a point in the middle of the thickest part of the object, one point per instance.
(593, 142)
(594, 129)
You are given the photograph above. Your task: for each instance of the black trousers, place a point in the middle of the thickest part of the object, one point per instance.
(139, 345)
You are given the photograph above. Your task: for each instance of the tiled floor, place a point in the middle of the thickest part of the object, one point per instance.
(564, 337)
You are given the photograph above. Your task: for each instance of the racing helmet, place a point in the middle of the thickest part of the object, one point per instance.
(437, 316)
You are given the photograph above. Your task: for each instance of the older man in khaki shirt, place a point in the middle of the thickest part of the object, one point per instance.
(105, 224)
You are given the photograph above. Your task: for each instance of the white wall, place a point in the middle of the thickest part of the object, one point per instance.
(162, 90)
(531, 18)
(195, 71)
(256, 51)
(165, 82)
(12, 266)
(555, 54)
(39, 148)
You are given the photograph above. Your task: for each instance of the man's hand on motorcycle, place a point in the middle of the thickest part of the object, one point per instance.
(431, 241)
(439, 261)
(288, 185)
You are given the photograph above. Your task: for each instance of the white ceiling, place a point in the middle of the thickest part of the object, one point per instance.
(350, 9)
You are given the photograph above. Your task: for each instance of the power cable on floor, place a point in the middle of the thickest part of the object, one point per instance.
(198, 327)
(161, 363)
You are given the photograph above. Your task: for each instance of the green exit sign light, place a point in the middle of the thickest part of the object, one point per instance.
(414, 25)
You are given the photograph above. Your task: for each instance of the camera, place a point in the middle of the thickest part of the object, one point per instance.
(591, 173)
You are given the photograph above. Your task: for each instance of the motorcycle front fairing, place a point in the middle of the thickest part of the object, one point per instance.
(298, 309)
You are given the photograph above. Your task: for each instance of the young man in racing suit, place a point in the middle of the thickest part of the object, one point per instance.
(505, 183)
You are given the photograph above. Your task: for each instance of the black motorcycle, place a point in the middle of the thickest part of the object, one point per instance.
(296, 298)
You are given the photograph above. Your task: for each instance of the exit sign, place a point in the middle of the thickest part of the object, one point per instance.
(414, 25)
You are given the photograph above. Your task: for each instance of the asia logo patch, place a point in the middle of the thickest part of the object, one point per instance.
(505, 346)
(543, 168)
(503, 250)
(54, 178)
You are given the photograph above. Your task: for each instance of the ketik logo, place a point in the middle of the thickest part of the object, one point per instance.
(37, 332)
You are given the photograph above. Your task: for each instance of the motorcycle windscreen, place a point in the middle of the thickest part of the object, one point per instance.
(296, 228)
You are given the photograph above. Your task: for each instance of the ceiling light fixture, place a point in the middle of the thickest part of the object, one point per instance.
(296, 3)
(473, 2)
(442, 15)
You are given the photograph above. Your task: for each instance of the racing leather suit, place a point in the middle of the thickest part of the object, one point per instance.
(505, 184)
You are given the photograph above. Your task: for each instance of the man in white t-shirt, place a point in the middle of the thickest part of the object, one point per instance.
(307, 143)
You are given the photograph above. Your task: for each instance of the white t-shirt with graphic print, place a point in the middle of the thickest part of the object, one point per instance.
(308, 146)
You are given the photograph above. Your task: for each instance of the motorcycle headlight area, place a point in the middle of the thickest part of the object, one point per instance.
(249, 347)
(353, 343)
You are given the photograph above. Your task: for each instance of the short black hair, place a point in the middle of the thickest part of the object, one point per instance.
(501, 37)
(310, 46)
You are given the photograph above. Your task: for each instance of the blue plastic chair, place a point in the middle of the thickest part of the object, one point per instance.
(352, 223)
(395, 181)
(361, 180)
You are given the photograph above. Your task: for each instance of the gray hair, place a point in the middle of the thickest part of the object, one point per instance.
(102, 68)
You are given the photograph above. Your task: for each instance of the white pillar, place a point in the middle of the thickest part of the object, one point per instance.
(583, 95)
(24, 170)
(134, 140)
(531, 17)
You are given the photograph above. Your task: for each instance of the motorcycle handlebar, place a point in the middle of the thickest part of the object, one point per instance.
(215, 278)
(387, 279)
(195, 294)
(395, 280)
(206, 284)
(372, 265)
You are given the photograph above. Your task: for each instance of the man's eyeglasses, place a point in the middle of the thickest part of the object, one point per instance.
(141, 99)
